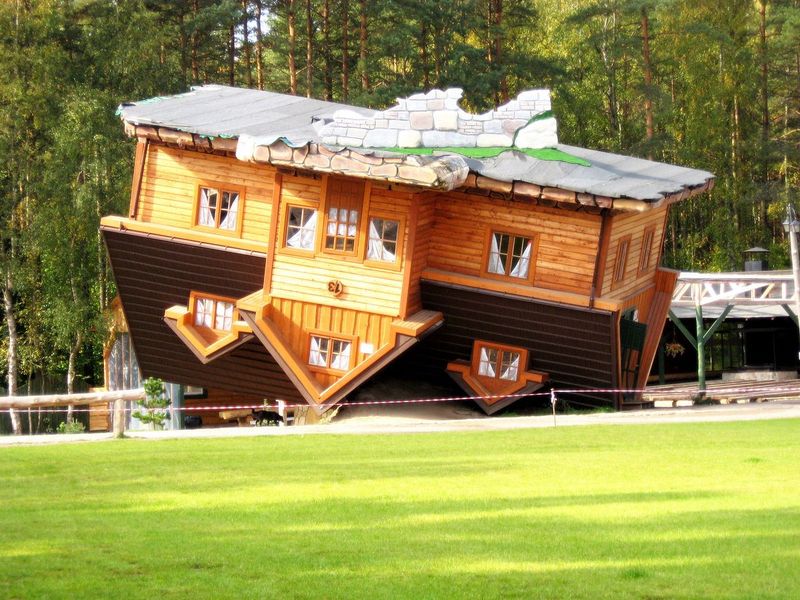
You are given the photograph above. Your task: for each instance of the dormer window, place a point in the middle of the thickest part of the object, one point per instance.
(329, 353)
(218, 207)
(213, 313)
(498, 362)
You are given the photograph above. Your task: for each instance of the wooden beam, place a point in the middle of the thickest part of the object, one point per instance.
(138, 172)
(66, 399)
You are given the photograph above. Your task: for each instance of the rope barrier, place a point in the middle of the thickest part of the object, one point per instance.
(551, 393)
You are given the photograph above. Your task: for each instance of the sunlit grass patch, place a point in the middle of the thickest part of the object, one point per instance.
(659, 511)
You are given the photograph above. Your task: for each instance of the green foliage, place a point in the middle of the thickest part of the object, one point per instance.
(71, 427)
(151, 409)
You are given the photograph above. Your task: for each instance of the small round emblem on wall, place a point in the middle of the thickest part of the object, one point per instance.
(335, 287)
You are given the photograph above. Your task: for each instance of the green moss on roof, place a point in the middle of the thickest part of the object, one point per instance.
(540, 153)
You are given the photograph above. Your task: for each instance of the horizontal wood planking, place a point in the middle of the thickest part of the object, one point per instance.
(366, 288)
(153, 275)
(575, 346)
(633, 224)
(296, 318)
(170, 180)
(458, 241)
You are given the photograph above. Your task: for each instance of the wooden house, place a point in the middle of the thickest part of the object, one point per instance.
(281, 247)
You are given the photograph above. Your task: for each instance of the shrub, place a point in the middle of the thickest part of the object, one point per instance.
(151, 409)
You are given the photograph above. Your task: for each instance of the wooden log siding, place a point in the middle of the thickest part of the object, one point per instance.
(296, 318)
(634, 225)
(419, 246)
(169, 188)
(568, 241)
(305, 278)
(153, 274)
(575, 346)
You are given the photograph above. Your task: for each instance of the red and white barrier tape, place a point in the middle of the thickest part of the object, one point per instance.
(552, 393)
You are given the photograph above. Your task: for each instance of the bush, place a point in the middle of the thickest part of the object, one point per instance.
(155, 401)
(73, 427)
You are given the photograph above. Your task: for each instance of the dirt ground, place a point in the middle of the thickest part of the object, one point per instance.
(451, 416)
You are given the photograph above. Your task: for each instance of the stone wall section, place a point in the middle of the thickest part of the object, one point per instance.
(434, 120)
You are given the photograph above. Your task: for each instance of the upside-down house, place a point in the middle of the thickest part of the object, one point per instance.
(280, 247)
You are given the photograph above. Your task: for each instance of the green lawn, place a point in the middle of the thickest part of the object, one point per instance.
(655, 511)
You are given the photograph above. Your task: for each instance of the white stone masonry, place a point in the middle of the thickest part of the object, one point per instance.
(434, 120)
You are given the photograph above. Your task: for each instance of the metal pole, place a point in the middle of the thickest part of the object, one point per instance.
(700, 340)
(793, 231)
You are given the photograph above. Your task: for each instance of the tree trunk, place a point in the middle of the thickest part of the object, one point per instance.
(246, 43)
(259, 47)
(195, 43)
(326, 49)
(648, 82)
(764, 59)
(345, 53)
(423, 54)
(12, 358)
(290, 18)
(73, 359)
(232, 55)
(498, 49)
(309, 51)
(362, 47)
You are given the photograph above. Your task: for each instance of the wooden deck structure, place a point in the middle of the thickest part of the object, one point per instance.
(722, 392)
(714, 297)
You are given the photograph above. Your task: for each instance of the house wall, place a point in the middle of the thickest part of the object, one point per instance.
(633, 225)
(305, 277)
(169, 191)
(153, 274)
(567, 240)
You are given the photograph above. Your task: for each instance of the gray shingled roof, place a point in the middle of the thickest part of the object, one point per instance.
(221, 111)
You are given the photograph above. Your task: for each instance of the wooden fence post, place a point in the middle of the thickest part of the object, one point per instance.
(119, 418)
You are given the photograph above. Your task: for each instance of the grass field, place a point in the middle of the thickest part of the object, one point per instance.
(655, 511)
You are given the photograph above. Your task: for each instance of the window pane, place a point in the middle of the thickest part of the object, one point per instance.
(509, 367)
(224, 316)
(318, 354)
(521, 257)
(340, 355)
(208, 207)
(382, 240)
(487, 362)
(204, 312)
(498, 253)
(229, 210)
(301, 230)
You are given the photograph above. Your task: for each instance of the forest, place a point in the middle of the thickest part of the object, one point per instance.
(711, 84)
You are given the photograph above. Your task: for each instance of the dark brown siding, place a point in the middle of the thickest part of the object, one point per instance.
(153, 274)
(574, 346)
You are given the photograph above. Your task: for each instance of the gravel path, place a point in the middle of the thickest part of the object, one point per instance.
(778, 409)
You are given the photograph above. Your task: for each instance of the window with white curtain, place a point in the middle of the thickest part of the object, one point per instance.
(213, 313)
(301, 228)
(510, 255)
(496, 362)
(343, 203)
(383, 237)
(218, 208)
(330, 353)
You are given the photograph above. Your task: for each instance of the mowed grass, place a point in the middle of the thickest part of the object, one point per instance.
(656, 511)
